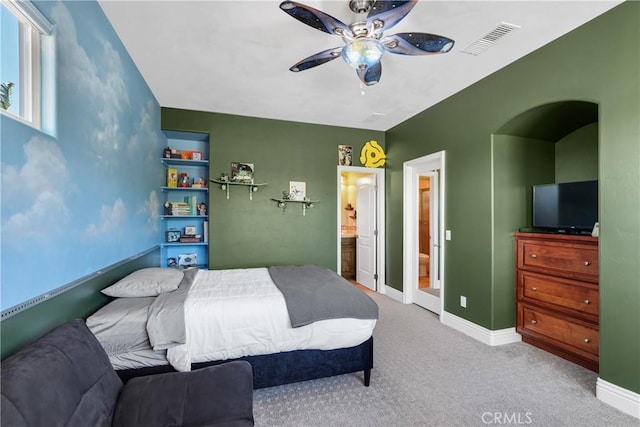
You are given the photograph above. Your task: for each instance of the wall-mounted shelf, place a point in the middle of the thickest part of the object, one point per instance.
(282, 203)
(226, 185)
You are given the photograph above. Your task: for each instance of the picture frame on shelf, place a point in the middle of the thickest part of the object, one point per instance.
(242, 172)
(172, 177)
(172, 236)
(297, 190)
(190, 230)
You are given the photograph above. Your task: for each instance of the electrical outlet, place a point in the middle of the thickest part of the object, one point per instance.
(463, 301)
(447, 234)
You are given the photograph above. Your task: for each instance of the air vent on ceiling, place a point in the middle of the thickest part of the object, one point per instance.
(486, 41)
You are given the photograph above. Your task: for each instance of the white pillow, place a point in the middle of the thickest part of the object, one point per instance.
(147, 282)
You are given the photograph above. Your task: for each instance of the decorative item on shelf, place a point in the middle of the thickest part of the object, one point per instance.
(225, 183)
(202, 209)
(167, 153)
(187, 260)
(196, 155)
(372, 155)
(172, 262)
(199, 183)
(297, 190)
(172, 177)
(242, 172)
(344, 155)
(184, 180)
(190, 230)
(172, 236)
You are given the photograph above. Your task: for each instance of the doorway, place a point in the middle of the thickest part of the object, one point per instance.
(423, 206)
(360, 218)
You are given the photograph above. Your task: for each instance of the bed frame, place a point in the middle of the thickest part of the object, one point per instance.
(289, 367)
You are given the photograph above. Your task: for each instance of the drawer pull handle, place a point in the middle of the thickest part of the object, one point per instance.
(534, 321)
(534, 256)
(587, 302)
(533, 288)
(587, 263)
(587, 340)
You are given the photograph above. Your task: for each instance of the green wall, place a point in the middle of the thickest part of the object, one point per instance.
(581, 66)
(253, 233)
(577, 155)
(79, 301)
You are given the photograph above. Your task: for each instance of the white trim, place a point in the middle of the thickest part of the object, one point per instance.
(380, 219)
(26, 11)
(620, 398)
(393, 293)
(484, 335)
(411, 171)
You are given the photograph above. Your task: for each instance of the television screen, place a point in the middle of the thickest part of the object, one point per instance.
(566, 206)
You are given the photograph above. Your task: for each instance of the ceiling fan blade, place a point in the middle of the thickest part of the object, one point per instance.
(317, 59)
(370, 75)
(315, 18)
(417, 44)
(386, 14)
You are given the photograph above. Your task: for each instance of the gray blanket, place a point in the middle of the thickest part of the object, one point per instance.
(165, 324)
(315, 293)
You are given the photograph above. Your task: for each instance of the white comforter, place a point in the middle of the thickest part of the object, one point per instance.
(240, 312)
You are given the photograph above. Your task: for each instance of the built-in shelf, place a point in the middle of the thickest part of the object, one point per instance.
(282, 203)
(226, 185)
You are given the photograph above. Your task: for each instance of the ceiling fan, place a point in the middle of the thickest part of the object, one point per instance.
(364, 40)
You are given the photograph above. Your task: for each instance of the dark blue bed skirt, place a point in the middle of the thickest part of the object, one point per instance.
(289, 367)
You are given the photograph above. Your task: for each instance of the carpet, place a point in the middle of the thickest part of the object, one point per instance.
(427, 374)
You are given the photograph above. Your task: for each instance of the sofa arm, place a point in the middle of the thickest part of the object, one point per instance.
(216, 395)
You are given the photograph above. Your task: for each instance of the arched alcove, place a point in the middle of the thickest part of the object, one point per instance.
(555, 142)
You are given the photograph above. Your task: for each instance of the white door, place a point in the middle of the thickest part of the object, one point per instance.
(429, 296)
(433, 166)
(366, 232)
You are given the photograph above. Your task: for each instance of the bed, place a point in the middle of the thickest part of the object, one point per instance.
(292, 323)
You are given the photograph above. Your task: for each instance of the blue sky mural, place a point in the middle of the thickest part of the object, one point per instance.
(87, 198)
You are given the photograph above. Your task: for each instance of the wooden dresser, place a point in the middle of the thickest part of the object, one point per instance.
(557, 295)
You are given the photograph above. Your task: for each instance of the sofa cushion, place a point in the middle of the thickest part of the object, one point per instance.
(220, 395)
(63, 378)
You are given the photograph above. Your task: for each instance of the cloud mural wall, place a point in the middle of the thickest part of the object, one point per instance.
(88, 197)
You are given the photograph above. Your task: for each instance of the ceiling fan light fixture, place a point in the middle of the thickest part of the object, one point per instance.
(363, 53)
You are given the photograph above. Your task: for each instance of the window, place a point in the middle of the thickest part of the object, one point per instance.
(22, 28)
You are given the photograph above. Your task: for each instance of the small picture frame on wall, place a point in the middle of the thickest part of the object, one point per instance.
(345, 155)
(297, 190)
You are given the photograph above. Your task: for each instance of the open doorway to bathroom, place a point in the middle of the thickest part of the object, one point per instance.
(360, 234)
(423, 211)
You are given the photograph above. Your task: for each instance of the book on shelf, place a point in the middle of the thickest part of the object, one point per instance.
(190, 239)
(179, 208)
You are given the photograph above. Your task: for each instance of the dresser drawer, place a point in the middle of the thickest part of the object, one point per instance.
(563, 294)
(569, 260)
(570, 334)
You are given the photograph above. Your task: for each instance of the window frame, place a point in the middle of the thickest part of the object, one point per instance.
(32, 26)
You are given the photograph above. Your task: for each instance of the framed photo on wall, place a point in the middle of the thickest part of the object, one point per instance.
(242, 172)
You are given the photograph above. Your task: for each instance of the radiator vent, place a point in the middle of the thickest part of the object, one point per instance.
(486, 41)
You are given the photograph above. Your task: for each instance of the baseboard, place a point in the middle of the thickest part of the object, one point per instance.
(620, 398)
(392, 293)
(484, 335)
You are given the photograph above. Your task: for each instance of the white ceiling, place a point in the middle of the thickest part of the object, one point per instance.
(234, 56)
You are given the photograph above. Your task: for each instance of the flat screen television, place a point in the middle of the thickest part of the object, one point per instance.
(570, 207)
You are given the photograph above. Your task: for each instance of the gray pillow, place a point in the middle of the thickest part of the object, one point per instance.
(219, 395)
(147, 282)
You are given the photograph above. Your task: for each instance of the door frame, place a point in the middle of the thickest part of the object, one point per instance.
(412, 170)
(380, 220)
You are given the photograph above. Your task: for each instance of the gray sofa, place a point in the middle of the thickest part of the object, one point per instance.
(65, 379)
